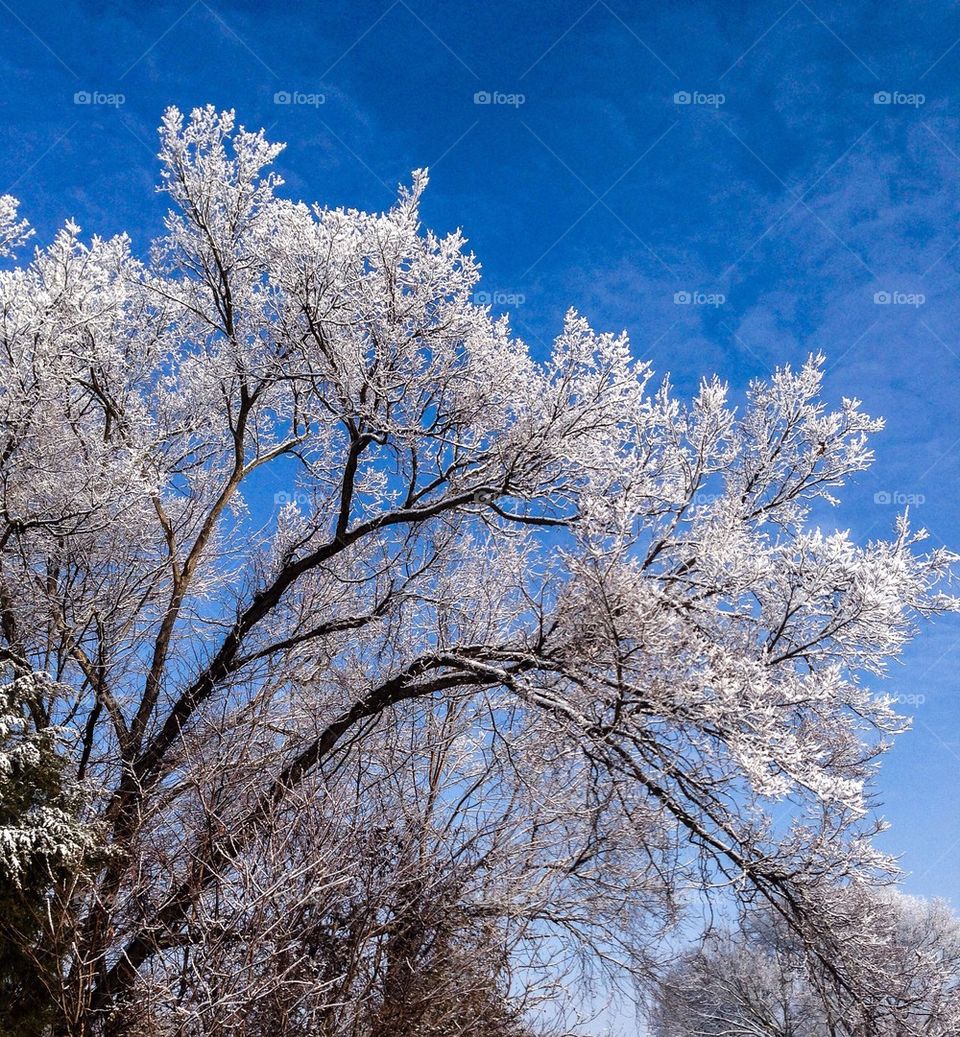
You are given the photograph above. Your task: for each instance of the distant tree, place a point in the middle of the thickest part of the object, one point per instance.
(760, 980)
(524, 652)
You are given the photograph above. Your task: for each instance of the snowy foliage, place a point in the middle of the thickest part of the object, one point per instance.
(39, 826)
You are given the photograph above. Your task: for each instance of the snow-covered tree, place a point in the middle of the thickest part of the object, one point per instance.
(758, 980)
(355, 605)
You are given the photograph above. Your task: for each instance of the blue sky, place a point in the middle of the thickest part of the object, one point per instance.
(807, 198)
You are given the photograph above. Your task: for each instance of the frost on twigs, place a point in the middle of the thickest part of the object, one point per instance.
(13, 232)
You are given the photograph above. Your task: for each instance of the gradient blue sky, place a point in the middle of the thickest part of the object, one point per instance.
(795, 199)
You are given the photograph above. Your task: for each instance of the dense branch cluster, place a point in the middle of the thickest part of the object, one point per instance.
(405, 676)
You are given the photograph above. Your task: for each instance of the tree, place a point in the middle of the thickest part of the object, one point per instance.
(523, 651)
(758, 981)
